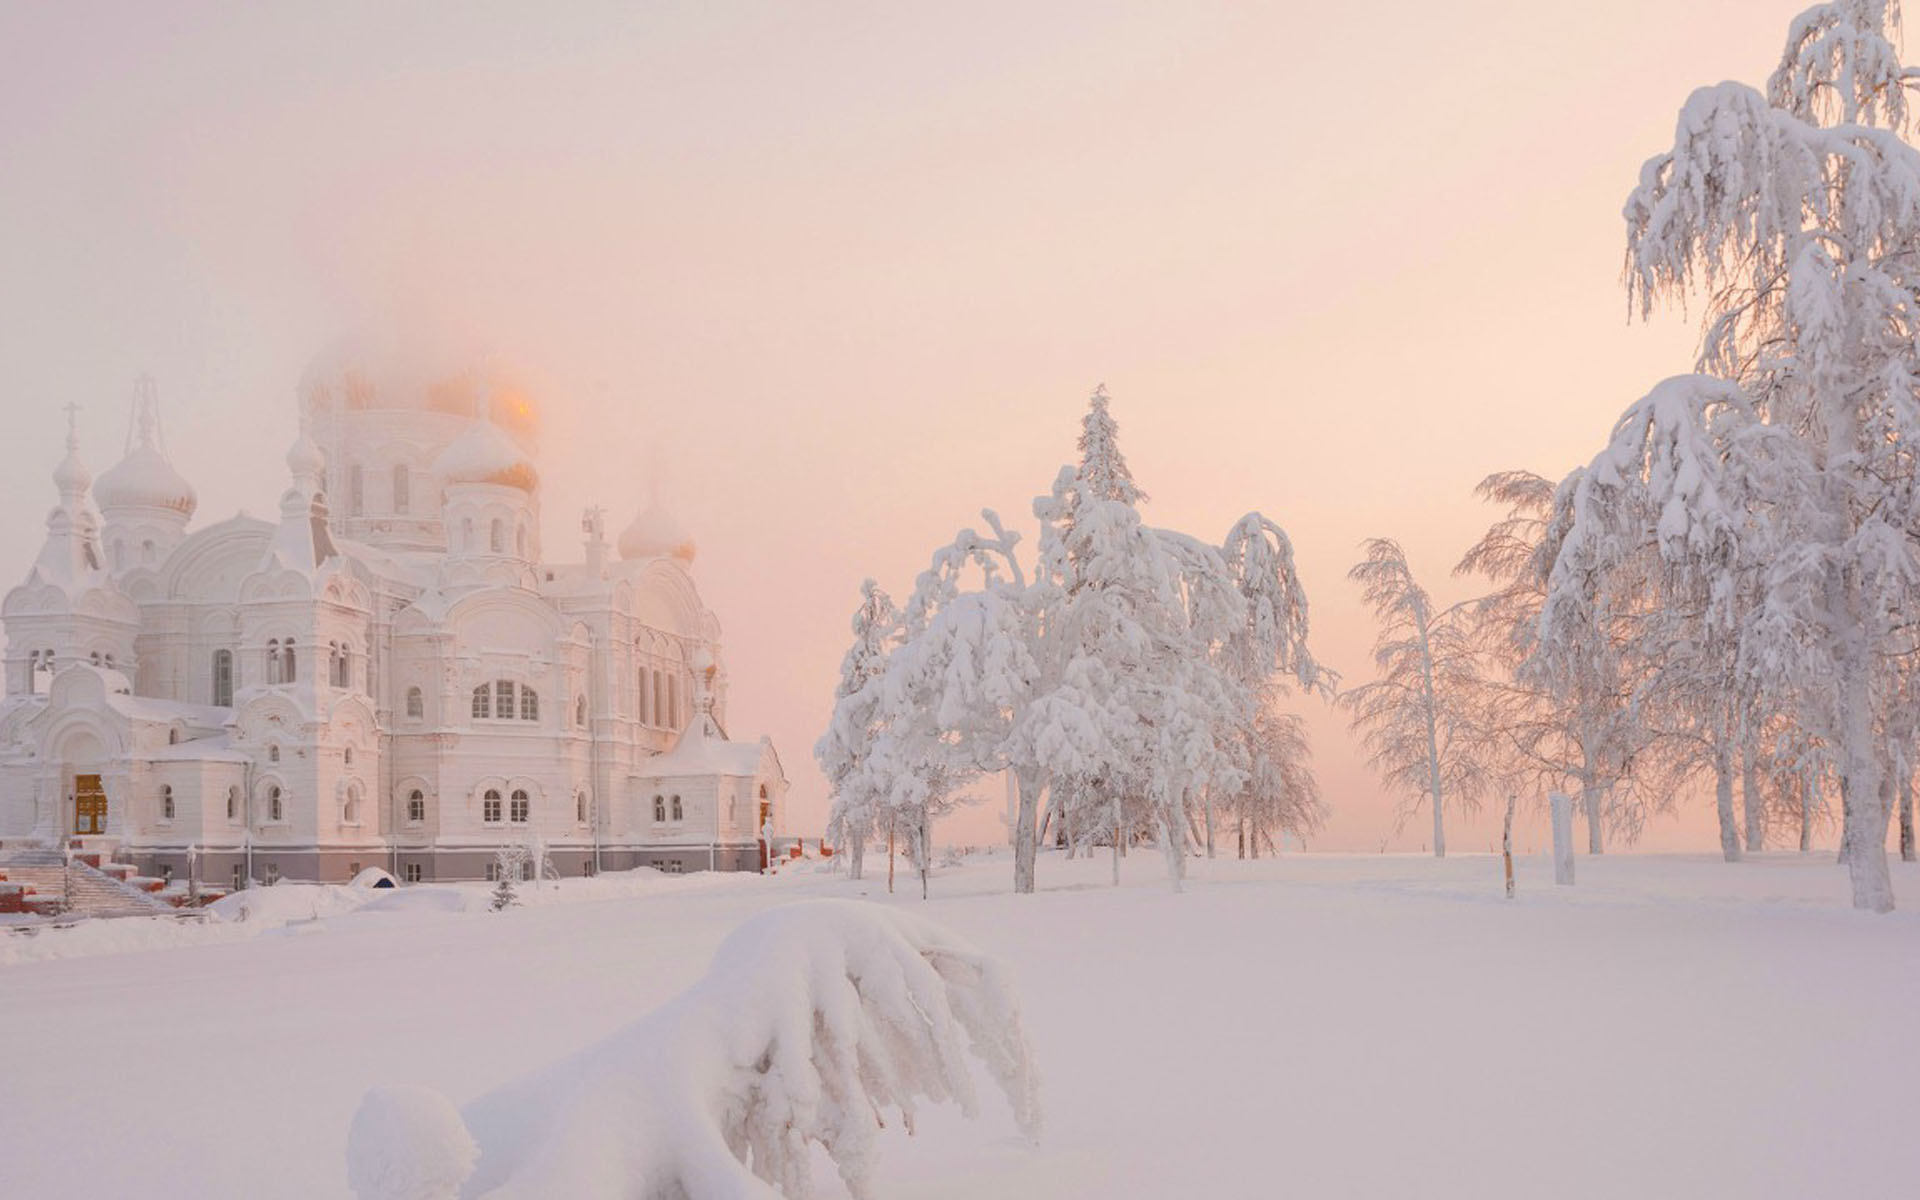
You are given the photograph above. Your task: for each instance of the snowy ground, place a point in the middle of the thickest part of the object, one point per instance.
(1316, 1026)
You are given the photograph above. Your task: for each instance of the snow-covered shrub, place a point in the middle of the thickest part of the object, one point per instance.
(815, 1022)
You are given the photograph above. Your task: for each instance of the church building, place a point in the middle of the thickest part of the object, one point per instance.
(391, 673)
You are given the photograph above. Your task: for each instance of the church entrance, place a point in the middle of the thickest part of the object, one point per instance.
(89, 805)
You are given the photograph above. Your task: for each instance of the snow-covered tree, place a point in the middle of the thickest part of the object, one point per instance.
(844, 749)
(1417, 717)
(1280, 794)
(1795, 212)
(818, 1025)
(1583, 739)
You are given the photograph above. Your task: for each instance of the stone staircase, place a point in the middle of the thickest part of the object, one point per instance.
(39, 881)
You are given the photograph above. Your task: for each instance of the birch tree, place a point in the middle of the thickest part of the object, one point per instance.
(1416, 718)
(844, 749)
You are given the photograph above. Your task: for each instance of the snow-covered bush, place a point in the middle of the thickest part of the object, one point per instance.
(815, 1024)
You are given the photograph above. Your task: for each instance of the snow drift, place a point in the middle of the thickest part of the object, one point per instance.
(816, 1021)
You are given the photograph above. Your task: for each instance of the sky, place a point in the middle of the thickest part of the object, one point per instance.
(834, 277)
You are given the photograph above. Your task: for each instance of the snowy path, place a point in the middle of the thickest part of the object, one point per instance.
(1328, 1026)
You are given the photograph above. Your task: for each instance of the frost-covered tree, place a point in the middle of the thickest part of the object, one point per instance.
(1416, 718)
(1581, 736)
(844, 749)
(818, 1025)
(1280, 794)
(1795, 211)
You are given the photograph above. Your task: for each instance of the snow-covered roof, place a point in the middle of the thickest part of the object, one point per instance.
(656, 533)
(486, 453)
(145, 479)
(702, 750)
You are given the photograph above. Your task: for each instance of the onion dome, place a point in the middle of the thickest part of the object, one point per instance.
(485, 453)
(144, 479)
(656, 534)
(304, 459)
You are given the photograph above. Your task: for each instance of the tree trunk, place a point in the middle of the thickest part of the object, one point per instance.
(1866, 796)
(1506, 844)
(1590, 808)
(1751, 800)
(1809, 801)
(1905, 785)
(1115, 804)
(926, 848)
(1723, 798)
(856, 856)
(1175, 845)
(1025, 839)
(890, 858)
(1209, 803)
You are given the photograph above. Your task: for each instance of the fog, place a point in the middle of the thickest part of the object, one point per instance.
(833, 277)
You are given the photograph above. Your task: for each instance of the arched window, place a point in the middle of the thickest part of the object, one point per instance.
(416, 806)
(166, 802)
(350, 811)
(146, 552)
(529, 704)
(233, 804)
(356, 490)
(275, 668)
(490, 807)
(416, 703)
(273, 754)
(275, 810)
(289, 672)
(580, 711)
(659, 700)
(497, 536)
(520, 806)
(402, 489)
(580, 807)
(503, 699)
(677, 814)
(223, 678)
(173, 737)
(483, 702)
(346, 756)
(660, 809)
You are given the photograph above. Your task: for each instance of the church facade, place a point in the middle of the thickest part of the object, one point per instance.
(391, 673)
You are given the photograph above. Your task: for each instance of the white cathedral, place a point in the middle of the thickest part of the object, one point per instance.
(389, 675)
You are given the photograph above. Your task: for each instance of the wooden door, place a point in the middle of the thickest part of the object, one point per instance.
(89, 805)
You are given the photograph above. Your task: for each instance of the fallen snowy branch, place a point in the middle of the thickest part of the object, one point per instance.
(815, 1022)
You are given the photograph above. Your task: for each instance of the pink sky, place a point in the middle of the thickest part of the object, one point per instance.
(848, 272)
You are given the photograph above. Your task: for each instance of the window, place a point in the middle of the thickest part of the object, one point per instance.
(580, 711)
(645, 698)
(526, 869)
(339, 664)
(482, 702)
(350, 811)
(411, 872)
(416, 704)
(673, 866)
(580, 807)
(660, 809)
(586, 868)
(288, 673)
(677, 815)
(273, 874)
(529, 704)
(346, 756)
(239, 880)
(233, 804)
(402, 489)
(416, 806)
(659, 715)
(223, 678)
(520, 805)
(166, 802)
(276, 669)
(276, 811)
(503, 698)
(173, 737)
(493, 872)
(353, 869)
(356, 490)
(273, 753)
(490, 807)
(497, 536)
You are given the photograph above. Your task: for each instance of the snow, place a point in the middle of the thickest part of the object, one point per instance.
(1311, 1025)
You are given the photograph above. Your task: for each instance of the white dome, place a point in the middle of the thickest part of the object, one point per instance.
(304, 458)
(485, 453)
(655, 534)
(145, 479)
